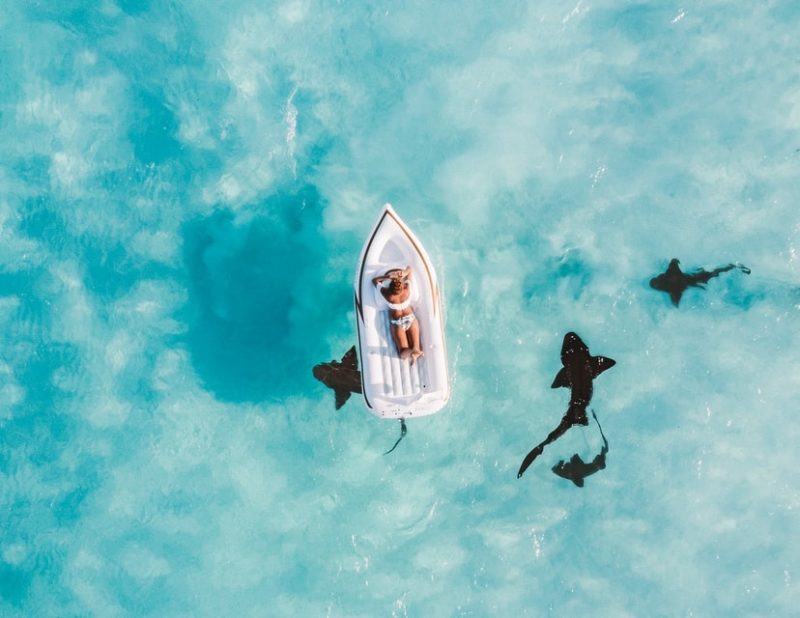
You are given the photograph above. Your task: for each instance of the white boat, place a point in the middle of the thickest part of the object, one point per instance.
(394, 387)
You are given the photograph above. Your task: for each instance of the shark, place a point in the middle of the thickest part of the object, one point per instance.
(578, 371)
(342, 376)
(576, 469)
(675, 282)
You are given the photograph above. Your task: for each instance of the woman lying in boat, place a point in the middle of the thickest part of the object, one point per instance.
(395, 288)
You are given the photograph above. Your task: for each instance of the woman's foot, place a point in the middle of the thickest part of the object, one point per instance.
(405, 353)
(415, 354)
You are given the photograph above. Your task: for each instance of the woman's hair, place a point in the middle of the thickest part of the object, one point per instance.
(396, 286)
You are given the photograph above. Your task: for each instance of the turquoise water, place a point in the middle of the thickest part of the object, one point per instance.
(184, 191)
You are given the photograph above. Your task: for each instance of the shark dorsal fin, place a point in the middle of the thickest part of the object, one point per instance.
(600, 364)
(350, 360)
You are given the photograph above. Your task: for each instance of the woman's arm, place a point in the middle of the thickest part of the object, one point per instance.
(397, 274)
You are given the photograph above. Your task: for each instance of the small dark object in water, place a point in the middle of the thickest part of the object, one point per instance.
(579, 370)
(576, 469)
(342, 376)
(403, 431)
(675, 282)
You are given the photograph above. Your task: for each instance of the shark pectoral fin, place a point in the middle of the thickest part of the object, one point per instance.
(341, 398)
(561, 379)
(578, 480)
(350, 360)
(600, 364)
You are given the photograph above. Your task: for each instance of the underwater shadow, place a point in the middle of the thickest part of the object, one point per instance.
(576, 470)
(568, 274)
(259, 305)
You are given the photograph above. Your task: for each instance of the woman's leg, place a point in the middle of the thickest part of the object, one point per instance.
(416, 350)
(400, 340)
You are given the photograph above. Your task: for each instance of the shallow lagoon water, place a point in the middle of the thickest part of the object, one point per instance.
(185, 190)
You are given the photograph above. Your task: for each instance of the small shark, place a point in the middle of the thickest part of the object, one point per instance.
(342, 376)
(579, 370)
(576, 469)
(675, 282)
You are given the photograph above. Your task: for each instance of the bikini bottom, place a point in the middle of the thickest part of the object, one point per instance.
(404, 321)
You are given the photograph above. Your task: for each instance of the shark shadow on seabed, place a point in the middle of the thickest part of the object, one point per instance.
(576, 470)
(675, 282)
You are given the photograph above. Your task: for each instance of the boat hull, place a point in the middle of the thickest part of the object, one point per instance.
(394, 387)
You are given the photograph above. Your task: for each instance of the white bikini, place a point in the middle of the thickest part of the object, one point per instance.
(404, 321)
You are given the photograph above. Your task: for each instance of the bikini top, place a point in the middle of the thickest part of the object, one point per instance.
(394, 306)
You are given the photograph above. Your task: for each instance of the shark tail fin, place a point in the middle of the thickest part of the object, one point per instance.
(533, 454)
(605, 442)
(403, 431)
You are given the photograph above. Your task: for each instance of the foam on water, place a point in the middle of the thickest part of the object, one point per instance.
(185, 188)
